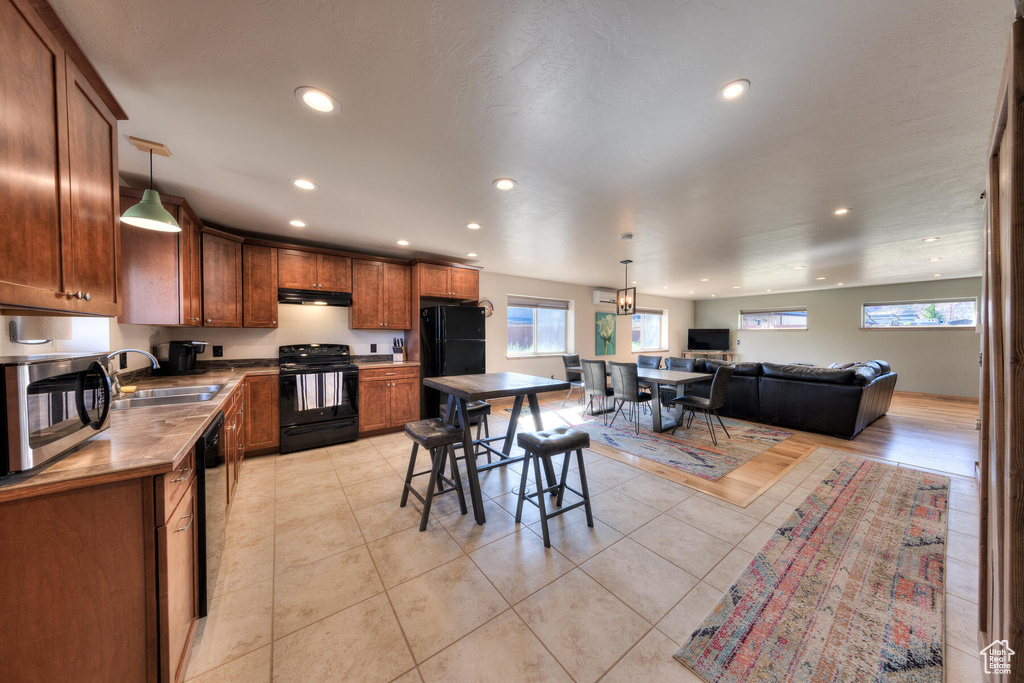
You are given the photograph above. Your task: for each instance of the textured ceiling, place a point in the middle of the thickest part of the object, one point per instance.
(605, 112)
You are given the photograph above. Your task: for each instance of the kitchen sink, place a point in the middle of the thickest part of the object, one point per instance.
(166, 397)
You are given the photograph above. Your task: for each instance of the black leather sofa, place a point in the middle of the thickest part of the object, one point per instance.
(834, 401)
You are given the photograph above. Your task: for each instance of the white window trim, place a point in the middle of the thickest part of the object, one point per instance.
(781, 309)
(865, 326)
(569, 322)
(662, 342)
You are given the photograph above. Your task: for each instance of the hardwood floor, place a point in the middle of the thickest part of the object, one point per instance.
(922, 431)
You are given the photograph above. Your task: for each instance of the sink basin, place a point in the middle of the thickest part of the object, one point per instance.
(166, 397)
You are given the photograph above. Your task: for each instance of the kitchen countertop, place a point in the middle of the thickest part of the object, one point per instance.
(140, 442)
(389, 364)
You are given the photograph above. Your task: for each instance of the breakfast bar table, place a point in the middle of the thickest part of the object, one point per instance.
(463, 389)
(663, 378)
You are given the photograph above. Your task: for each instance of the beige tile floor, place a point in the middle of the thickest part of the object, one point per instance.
(325, 578)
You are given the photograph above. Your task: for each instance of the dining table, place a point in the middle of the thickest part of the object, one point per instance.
(464, 389)
(675, 379)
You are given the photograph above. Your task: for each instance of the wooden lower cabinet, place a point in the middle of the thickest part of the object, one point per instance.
(388, 398)
(262, 424)
(177, 581)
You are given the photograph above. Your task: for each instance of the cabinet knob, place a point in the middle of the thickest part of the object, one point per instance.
(273, 322)
(75, 295)
(88, 296)
(209, 320)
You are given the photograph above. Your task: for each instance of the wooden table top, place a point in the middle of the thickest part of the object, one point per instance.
(667, 377)
(494, 385)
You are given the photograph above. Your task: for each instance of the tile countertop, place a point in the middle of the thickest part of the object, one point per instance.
(389, 364)
(140, 442)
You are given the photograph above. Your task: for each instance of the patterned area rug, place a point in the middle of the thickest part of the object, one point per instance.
(690, 451)
(850, 588)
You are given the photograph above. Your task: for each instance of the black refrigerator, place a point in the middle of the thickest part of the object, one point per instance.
(451, 343)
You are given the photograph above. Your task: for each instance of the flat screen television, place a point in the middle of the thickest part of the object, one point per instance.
(708, 340)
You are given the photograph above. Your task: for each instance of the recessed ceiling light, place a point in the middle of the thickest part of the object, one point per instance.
(842, 211)
(930, 239)
(799, 267)
(735, 89)
(471, 254)
(504, 183)
(304, 184)
(937, 275)
(712, 295)
(935, 258)
(317, 100)
(665, 288)
(819, 278)
(767, 290)
(691, 291)
(703, 279)
(473, 226)
(839, 284)
(736, 287)
(634, 282)
(402, 243)
(296, 223)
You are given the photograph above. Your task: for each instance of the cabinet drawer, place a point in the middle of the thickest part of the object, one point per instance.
(172, 486)
(372, 374)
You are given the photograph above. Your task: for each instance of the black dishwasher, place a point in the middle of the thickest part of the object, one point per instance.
(211, 504)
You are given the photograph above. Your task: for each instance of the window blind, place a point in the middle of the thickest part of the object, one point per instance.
(537, 302)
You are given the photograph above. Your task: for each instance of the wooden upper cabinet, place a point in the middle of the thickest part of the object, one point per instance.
(58, 172)
(296, 269)
(222, 281)
(435, 280)
(259, 284)
(465, 283)
(190, 266)
(367, 295)
(299, 269)
(397, 314)
(335, 273)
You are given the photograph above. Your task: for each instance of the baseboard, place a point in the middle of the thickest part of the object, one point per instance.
(935, 397)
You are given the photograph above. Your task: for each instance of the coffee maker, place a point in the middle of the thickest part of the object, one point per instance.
(179, 357)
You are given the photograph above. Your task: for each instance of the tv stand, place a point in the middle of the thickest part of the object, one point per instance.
(722, 355)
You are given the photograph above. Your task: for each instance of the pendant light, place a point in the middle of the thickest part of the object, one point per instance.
(150, 213)
(625, 298)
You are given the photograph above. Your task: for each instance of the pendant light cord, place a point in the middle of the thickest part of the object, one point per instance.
(151, 168)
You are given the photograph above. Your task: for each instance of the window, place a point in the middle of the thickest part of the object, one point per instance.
(918, 314)
(774, 319)
(537, 327)
(647, 331)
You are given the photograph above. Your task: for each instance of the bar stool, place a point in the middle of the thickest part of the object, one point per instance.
(544, 445)
(439, 439)
(478, 412)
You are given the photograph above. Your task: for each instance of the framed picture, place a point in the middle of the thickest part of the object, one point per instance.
(604, 334)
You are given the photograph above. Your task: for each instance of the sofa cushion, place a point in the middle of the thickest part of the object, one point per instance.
(840, 366)
(884, 367)
(808, 374)
(680, 364)
(741, 369)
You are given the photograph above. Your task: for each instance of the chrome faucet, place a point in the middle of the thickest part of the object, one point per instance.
(115, 382)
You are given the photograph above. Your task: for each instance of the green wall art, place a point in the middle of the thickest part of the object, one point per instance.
(604, 338)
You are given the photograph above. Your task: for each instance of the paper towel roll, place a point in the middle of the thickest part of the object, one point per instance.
(37, 328)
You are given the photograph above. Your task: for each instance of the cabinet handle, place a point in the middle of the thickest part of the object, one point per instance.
(191, 518)
(184, 476)
(390, 374)
(231, 427)
(75, 295)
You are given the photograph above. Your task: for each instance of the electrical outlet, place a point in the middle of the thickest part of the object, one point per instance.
(218, 351)
(373, 348)
(122, 361)
(738, 342)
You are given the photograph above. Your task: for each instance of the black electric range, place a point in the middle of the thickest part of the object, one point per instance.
(319, 396)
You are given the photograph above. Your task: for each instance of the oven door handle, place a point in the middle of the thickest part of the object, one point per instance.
(83, 412)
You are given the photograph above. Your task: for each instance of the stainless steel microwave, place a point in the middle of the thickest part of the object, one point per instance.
(51, 403)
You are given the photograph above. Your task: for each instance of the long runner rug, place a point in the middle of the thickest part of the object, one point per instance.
(850, 588)
(689, 450)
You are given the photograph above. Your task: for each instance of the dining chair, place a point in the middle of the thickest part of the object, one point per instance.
(719, 392)
(651, 362)
(676, 364)
(626, 389)
(595, 383)
(574, 377)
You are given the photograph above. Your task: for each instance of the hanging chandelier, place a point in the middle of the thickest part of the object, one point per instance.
(625, 298)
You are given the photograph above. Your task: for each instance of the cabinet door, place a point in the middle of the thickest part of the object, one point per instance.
(222, 282)
(185, 238)
(435, 280)
(296, 269)
(259, 284)
(191, 280)
(240, 422)
(33, 168)
(405, 401)
(92, 226)
(397, 297)
(177, 578)
(465, 283)
(367, 298)
(373, 406)
(150, 272)
(335, 273)
(262, 423)
(196, 270)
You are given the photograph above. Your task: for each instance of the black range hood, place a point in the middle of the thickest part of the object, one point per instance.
(313, 297)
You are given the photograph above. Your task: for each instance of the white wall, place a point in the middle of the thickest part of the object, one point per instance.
(88, 335)
(927, 361)
(497, 287)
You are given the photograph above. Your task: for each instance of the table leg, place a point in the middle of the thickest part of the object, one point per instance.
(513, 423)
(680, 391)
(656, 407)
(471, 473)
(538, 422)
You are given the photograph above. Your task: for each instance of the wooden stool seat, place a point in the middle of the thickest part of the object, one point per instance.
(439, 438)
